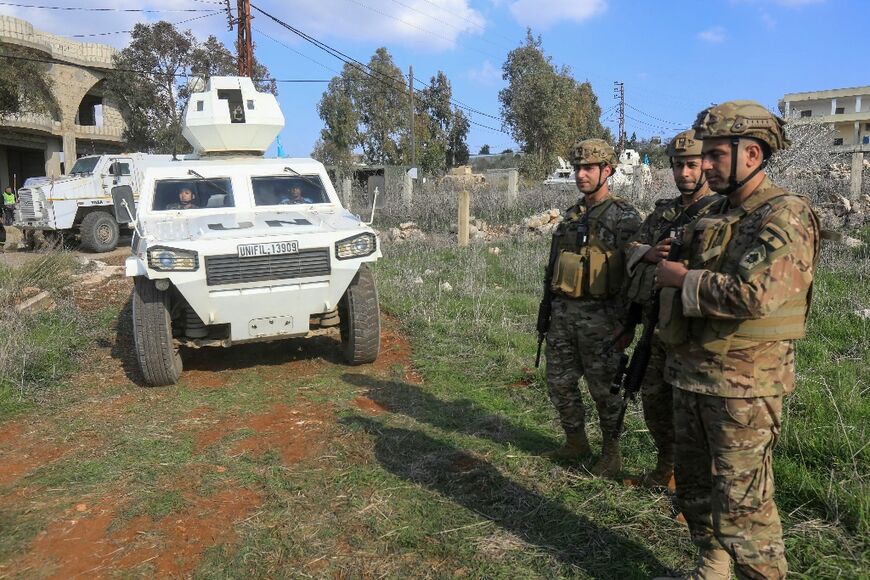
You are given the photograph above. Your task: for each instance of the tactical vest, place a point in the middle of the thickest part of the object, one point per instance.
(672, 221)
(708, 240)
(8, 198)
(586, 266)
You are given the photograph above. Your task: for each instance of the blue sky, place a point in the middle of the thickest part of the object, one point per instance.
(675, 57)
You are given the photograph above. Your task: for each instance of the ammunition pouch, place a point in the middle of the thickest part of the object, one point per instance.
(673, 325)
(569, 275)
(593, 272)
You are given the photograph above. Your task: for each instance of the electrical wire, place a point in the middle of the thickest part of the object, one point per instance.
(94, 9)
(385, 80)
(633, 108)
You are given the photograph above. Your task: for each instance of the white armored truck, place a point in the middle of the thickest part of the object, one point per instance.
(231, 247)
(80, 202)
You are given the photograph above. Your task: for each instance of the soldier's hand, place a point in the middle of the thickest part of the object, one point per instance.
(670, 274)
(659, 252)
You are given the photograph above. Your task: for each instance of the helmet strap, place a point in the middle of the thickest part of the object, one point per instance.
(733, 184)
(600, 181)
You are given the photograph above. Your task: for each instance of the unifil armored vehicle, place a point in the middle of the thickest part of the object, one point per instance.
(231, 247)
(80, 202)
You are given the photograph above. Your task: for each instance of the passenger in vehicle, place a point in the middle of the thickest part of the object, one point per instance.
(185, 200)
(295, 196)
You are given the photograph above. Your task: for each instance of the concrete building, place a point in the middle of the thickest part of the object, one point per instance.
(847, 110)
(85, 122)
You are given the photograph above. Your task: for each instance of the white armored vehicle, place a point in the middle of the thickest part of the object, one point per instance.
(231, 247)
(80, 202)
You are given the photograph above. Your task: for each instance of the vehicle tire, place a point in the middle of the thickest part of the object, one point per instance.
(99, 232)
(360, 325)
(158, 358)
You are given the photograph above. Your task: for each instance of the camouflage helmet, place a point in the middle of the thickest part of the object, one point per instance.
(593, 152)
(742, 119)
(684, 145)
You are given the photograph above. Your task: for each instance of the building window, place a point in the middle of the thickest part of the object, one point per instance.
(867, 126)
(806, 113)
(839, 110)
(838, 141)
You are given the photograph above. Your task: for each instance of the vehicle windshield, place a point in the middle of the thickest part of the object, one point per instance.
(188, 194)
(84, 166)
(288, 190)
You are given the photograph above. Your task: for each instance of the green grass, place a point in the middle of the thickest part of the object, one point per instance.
(38, 351)
(448, 483)
(474, 342)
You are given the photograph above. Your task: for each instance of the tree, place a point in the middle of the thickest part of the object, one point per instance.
(150, 86)
(369, 111)
(544, 108)
(25, 86)
(484, 150)
(457, 148)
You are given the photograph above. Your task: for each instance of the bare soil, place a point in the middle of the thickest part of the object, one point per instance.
(94, 535)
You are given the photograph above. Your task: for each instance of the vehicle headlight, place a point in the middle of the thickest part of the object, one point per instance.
(356, 247)
(172, 260)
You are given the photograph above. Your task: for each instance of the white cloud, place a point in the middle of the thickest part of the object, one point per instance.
(432, 26)
(713, 35)
(545, 13)
(486, 74)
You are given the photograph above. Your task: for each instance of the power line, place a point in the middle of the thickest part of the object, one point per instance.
(653, 117)
(94, 9)
(385, 80)
(148, 72)
(303, 55)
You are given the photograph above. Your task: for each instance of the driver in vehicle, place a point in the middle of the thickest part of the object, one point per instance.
(295, 196)
(185, 200)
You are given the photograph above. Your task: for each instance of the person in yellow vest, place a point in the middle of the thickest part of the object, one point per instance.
(651, 245)
(731, 312)
(588, 305)
(8, 206)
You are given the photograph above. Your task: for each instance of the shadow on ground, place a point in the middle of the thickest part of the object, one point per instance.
(463, 416)
(478, 486)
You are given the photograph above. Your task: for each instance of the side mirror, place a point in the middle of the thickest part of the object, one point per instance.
(125, 207)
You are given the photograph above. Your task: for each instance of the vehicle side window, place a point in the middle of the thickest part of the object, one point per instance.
(288, 190)
(187, 194)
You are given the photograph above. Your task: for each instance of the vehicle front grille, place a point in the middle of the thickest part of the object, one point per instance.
(26, 209)
(230, 269)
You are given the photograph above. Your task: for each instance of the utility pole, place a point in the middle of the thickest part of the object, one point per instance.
(244, 42)
(411, 115)
(619, 93)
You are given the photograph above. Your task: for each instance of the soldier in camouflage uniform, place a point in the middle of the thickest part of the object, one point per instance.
(732, 312)
(651, 245)
(589, 304)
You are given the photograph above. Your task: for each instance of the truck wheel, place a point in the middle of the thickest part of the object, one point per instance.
(99, 232)
(360, 319)
(158, 358)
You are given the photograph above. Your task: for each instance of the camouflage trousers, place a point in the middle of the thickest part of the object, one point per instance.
(658, 403)
(579, 331)
(724, 473)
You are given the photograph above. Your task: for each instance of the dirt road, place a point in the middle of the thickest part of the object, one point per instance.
(112, 477)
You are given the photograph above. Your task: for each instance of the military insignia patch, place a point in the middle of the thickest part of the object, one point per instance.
(753, 257)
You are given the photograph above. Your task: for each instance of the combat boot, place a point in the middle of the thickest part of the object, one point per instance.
(660, 477)
(576, 446)
(714, 564)
(610, 463)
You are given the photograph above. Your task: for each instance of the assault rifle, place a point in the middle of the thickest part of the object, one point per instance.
(545, 308)
(629, 374)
